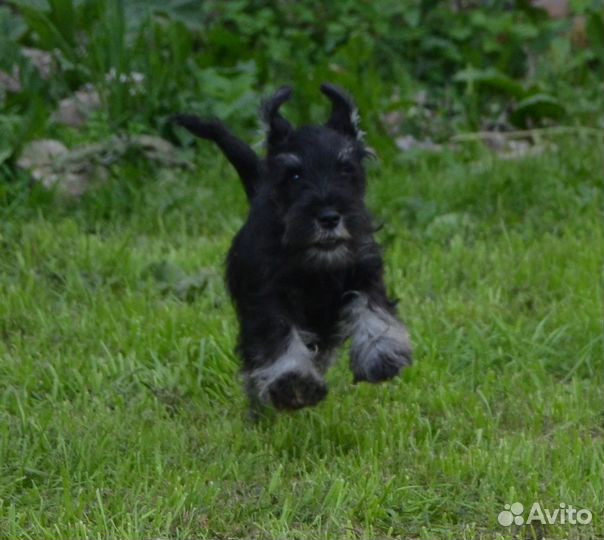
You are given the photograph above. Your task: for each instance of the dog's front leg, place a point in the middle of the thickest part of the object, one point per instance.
(284, 374)
(380, 345)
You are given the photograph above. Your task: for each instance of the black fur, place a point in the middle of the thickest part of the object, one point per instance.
(305, 272)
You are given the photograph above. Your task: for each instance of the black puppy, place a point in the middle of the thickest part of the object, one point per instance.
(305, 272)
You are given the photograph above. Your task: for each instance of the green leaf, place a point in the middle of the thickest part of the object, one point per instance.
(491, 79)
(595, 33)
(49, 35)
(536, 108)
(12, 27)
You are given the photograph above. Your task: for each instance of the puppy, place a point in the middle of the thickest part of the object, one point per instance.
(304, 272)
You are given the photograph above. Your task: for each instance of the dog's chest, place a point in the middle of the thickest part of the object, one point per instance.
(316, 304)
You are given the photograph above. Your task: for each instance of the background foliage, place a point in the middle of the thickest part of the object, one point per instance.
(437, 67)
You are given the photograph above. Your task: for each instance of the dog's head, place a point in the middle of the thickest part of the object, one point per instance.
(316, 181)
(312, 178)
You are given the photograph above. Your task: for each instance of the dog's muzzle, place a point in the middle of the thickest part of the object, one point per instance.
(330, 246)
(332, 236)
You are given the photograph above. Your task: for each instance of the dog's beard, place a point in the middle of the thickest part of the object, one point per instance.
(319, 248)
(329, 248)
(336, 257)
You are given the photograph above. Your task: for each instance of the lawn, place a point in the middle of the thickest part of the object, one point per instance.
(121, 412)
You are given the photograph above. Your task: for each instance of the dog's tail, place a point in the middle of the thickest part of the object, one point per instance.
(239, 154)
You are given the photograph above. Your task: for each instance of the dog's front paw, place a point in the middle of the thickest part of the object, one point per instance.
(294, 390)
(381, 362)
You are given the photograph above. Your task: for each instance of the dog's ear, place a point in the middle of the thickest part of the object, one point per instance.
(240, 155)
(344, 113)
(278, 128)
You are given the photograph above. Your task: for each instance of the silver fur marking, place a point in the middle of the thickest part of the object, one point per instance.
(346, 153)
(296, 357)
(355, 120)
(328, 258)
(289, 160)
(321, 254)
(375, 334)
(339, 233)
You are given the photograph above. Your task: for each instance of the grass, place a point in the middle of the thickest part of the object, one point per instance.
(121, 415)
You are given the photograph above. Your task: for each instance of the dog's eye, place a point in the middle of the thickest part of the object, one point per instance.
(295, 176)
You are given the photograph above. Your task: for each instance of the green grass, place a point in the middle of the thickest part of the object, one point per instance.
(121, 413)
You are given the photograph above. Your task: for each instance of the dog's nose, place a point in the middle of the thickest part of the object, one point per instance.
(329, 219)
